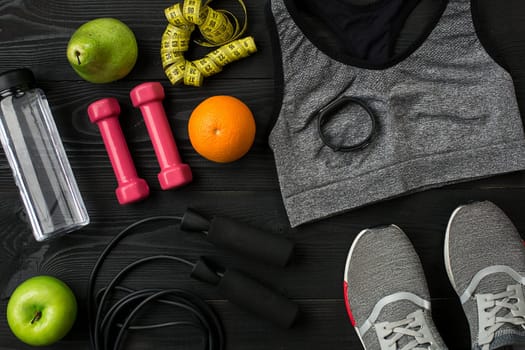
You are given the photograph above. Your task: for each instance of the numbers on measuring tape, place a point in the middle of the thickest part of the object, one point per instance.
(218, 28)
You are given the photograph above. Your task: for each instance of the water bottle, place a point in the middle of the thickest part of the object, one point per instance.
(37, 158)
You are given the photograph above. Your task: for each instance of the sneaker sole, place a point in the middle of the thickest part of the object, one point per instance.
(347, 266)
(448, 267)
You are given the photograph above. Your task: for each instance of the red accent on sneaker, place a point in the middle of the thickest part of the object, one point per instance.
(347, 304)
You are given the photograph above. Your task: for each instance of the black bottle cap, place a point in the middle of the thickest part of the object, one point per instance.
(16, 78)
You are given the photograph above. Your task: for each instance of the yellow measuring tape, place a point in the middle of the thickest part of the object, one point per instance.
(219, 28)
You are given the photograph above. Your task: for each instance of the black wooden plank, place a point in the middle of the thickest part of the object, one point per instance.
(324, 325)
(70, 101)
(36, 33)
(321, 247)
(255, 172)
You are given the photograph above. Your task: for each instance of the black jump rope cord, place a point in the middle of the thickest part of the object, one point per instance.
(208, 321)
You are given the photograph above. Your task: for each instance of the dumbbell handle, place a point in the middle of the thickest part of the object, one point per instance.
(162, 137)
(117, 150)
(148, 97)
(105, 113)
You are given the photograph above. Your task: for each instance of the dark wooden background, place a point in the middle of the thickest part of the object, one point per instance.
(35, 34)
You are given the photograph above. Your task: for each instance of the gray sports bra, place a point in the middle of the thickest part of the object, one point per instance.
(445, 112)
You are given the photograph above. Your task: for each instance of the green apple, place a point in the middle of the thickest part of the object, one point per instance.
(102, 50)
(41, 311)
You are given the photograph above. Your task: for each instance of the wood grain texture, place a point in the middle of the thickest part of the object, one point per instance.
(35, 33)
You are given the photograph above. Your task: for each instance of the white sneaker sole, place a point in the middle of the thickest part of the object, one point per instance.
(447, 249)
(347, 266)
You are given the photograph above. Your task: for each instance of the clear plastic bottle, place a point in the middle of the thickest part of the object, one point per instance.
(37, 157)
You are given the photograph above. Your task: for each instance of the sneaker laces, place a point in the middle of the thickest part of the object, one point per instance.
(411, 327)
(492, 306)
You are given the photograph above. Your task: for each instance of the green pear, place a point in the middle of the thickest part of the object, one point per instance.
(102, 50)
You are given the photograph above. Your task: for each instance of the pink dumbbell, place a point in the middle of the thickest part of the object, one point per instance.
(131, 188)
(148, 97)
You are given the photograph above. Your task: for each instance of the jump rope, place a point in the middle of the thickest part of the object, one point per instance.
(108, 325)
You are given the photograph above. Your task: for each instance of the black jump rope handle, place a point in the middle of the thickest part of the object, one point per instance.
(241, 238)
(249, 294)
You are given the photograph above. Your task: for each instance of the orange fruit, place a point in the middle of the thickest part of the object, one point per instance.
(222, 129)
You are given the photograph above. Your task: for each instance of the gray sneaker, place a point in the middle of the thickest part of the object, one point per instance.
(386, 293)
(485, 261)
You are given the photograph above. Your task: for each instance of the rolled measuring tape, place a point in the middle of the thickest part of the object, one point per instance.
(218, 28)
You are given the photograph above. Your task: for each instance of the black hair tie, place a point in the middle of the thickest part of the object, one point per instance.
(326, 113)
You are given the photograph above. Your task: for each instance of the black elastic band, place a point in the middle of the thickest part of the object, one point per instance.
(327, 112)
